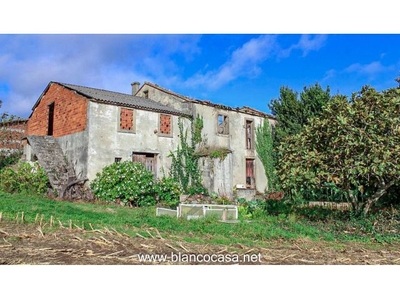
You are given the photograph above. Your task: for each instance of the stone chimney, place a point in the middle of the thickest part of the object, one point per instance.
(135, 87)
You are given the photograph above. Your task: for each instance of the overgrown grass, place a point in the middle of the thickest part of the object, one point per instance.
(207, 230)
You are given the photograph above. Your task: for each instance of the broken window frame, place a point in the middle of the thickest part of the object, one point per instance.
(133, 128)
(148, 159)
(249, 133)
(222, 124)
(160, 133)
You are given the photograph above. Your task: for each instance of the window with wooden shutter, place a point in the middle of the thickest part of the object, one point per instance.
(250, 180)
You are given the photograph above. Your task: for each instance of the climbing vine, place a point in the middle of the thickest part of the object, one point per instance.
(185, 163)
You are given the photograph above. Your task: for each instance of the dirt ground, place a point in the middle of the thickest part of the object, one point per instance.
(22, 244)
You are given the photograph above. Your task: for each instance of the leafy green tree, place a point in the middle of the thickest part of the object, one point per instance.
(264, 147)
(352, 148)
(293, 110)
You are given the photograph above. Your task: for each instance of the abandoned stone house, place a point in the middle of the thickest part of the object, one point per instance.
(75, 131)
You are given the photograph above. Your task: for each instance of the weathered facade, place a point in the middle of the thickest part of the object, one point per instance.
(95, 128)
(225, 128)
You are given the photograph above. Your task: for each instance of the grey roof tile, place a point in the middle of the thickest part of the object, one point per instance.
(122, 99)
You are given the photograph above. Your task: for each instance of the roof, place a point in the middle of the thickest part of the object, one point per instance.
(243, 109)
(119, 99)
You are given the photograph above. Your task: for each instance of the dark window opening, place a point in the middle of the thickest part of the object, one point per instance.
(50, 126)
(147, 159)
(118, 159)
(223, 124)
(250, 180)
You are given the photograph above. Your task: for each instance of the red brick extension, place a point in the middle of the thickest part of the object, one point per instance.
(70, 112)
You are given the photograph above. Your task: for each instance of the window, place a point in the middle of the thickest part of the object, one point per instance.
(165, 125)
(223, 124)
(118, 159)
(249, 134)
(146, 94)
(126, 120)
(148, 159)
(250, 180)
(50, 126)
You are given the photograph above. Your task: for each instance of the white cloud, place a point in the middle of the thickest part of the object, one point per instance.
(329, 74)
(370, 69)
(306, 44)
(244, 61)
(29, 62)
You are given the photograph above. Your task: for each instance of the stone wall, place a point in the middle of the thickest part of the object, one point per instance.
(11, 134)
(52, 159)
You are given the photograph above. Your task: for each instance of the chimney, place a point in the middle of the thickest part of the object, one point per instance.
(135, 87)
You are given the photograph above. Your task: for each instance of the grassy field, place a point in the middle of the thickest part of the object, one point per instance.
(53, 214)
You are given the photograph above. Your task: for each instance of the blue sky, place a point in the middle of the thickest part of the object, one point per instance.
(231, 69)
(237, 54)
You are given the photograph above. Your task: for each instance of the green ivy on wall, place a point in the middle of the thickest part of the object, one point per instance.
(185, 162)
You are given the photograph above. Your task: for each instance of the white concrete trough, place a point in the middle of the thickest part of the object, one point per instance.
(160, 211)
(195, 211)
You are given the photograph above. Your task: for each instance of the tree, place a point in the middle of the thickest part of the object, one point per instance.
(293, 110)
(352, 147)
(264, 147)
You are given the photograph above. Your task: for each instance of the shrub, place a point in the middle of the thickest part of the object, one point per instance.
(8, 159)
(251, 209)
(24, 178)
(126, 183)
(168, 190)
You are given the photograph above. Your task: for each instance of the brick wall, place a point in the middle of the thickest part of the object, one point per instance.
(126, 121)
(70, 112)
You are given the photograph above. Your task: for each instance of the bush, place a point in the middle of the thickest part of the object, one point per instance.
(8, 159)
(125, 182)
(251, 209)
(24, 178)
(168, 190)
